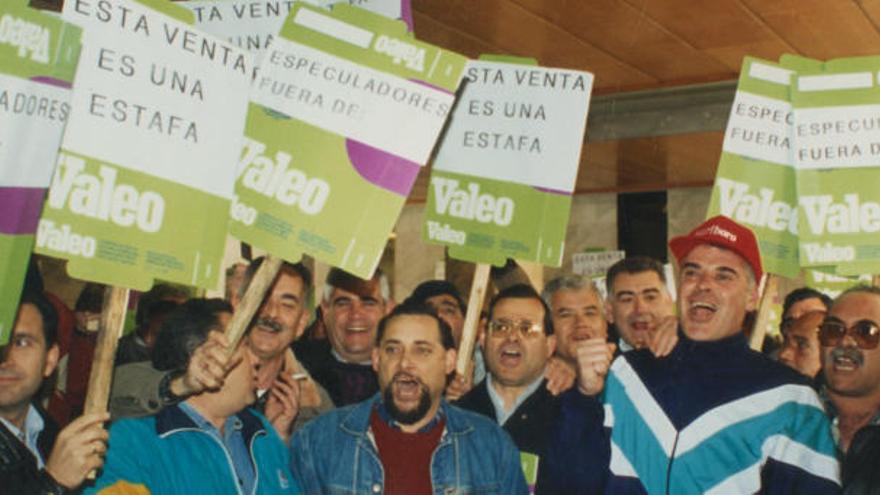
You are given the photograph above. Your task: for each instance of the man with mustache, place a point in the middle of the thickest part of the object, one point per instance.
(517, 343)
(139, 389)
(407, 439)
(352, 308)
(712, 416)
(851, 365)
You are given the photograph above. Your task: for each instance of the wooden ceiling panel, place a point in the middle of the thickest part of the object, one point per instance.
(622, 31)
(431, 31)
(519, 32)
(871, 8)
(715, 26)
(820, 28)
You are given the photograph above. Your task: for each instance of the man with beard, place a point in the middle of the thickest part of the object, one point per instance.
(139, 389)
(517, 343)
(713, 416)
(407, 439)
(352, 308)
(851, 365)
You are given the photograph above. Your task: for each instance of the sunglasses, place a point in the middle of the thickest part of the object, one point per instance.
(525, 327)
(865, 333)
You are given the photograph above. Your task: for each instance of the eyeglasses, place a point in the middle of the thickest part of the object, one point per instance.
(504, 326)
(866, 333)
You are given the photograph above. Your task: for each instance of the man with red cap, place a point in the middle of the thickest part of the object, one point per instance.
(711, 417)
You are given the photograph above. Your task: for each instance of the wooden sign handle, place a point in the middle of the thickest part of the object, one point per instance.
(101, 377)
(251, 301)
(472, 319)
(759, 330)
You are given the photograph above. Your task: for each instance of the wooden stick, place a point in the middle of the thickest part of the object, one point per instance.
(101, 376)
(251, 301)
(875, 280)
(759, 330)
(472, 319)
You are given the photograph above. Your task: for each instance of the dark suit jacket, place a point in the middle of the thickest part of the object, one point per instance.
(18, 466)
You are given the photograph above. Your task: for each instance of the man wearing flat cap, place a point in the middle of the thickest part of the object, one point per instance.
(711, 417)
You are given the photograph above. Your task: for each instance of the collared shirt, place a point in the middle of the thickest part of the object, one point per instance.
(386, 417)
(624, 346)
(232, 441)
(835, 419)
(33, 426)
(502, 415)
(341, 359)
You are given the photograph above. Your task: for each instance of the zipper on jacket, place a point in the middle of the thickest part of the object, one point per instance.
(671, 460)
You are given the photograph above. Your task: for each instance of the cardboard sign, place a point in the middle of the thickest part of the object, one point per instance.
(502, 181)
(38, 55)
(253, 24)
(755, 182)
(145, 173)
(595, 263)
(344, 112)
(837, 155)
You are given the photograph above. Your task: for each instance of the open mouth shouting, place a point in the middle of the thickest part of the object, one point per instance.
(510, 355)
(846, 359)
(700, 311)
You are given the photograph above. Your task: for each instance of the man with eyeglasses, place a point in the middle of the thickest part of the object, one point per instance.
(517, 343)
(711, 417)
(851, 365)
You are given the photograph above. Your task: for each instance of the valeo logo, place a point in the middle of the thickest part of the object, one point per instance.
(31, 40)
(470, 203)
(759, 208)
(275, 178)
(401, 52)
(100, 196)
(850, 216)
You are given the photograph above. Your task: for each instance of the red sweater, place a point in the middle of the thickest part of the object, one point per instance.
(406, 457)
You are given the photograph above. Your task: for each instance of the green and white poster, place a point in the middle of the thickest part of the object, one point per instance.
(38, 55)
(253, 24)
(146, 169)
(755, 182)
(837, 154)
(502, 181)
(344, 113)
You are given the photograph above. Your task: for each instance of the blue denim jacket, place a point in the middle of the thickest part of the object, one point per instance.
(335, 454)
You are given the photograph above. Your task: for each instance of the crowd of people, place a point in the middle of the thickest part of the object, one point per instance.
(567, 393)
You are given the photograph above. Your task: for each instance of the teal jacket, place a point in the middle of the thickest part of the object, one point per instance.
(169, 454)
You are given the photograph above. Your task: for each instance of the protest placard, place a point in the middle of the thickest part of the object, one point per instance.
(38, 55)
(595, 262)
(755, 182)
(837, 155)
(502, 181)
(253, 24)
(147, 163)
(344, 112)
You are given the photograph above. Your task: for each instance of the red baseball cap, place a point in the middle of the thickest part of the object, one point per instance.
(722, 232)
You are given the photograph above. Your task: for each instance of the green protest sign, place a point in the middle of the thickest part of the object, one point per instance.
(147, 163)
(832, 284)
(502, 181)
(344, 112)
(836, 151)
(38, 55)
(755, 182)
(253, 24)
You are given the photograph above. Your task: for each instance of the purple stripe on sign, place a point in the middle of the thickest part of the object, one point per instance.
(51, 81)
(20, 209)
(552, 191)
(382, 169)
(406, 14)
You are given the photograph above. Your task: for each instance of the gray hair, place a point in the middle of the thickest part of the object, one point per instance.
(570, 282)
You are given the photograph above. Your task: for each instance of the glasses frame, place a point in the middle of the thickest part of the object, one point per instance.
(526, 328)
(862, 340)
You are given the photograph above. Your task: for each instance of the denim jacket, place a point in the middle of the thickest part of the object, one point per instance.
(336, 454)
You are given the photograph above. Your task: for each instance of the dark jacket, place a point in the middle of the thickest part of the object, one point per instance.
(347, 383)
(18, 466)
(859, 471)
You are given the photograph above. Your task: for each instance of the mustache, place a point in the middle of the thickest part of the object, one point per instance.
(269, 323)
(850, 353)
(402, 375)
